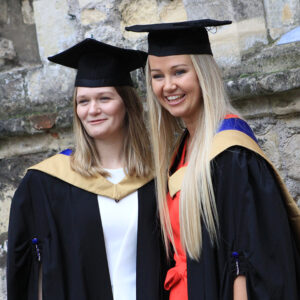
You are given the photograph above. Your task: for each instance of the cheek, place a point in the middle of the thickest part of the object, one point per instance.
(80, 113)
(118, 111)
(192, 86)
(162, 102)
(198, 92)
(156, 88)
(122, 114)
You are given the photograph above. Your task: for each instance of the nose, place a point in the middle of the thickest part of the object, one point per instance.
(169, 84)
(94, 108)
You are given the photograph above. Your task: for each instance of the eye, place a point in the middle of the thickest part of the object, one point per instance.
(157, 76)
(104, 98)
(82, 101)
(180, 72)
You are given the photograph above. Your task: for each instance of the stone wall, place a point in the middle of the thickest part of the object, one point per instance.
(262, 77)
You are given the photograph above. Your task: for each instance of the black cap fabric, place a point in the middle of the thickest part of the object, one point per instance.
(100, 64)
(188, 37)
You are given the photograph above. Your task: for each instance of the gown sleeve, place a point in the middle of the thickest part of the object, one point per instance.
(24, 255)
(255, 235)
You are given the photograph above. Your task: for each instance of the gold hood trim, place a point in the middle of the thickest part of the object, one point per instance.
(226, 139)
(59, 166)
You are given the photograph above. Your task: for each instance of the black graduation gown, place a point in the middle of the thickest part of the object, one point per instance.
(259, 223)
(66, 221)
(252, 222)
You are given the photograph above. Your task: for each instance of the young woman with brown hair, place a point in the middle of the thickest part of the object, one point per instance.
(85, 221)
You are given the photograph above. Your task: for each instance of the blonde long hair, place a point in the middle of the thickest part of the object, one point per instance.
(138, 159)
(197, 201)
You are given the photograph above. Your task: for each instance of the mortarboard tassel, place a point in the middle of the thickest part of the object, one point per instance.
(37, 249)
(235, 255)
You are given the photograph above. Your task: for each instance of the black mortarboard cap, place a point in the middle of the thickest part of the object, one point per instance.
(100, 64)
(188, 37)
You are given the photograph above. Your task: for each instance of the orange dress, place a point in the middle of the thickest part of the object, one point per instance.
(176, 279)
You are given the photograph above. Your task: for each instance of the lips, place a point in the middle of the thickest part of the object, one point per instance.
(98, 121)
(175, 99)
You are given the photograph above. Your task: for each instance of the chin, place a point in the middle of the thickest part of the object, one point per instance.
(176, 113)
(96, 135)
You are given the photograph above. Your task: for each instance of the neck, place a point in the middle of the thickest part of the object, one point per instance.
(111, 152)
(191, 125)
(191, 129)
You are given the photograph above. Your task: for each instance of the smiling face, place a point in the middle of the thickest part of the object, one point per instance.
(101, 111)
(175, 84)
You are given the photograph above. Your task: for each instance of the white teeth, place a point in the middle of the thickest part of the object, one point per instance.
(173, 97)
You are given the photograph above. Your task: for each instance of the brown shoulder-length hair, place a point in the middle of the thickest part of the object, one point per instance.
(138, 160)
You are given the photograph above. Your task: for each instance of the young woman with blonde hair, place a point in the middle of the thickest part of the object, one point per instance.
(232, 225)
(83, 223)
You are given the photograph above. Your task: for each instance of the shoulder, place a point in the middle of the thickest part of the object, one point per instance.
(45, 171)
(54, 164)
(237, 157)
(148, 186)
(36, 183)
(235, 146)
(238, 161)
(243, 180)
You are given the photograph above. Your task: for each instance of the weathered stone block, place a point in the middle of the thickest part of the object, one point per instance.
(225, 45)
(281, 15)
(247, 31)
(270, 144)
(5, 200)
(3, 295)
(214, 9)
(273, 59)
(287, 104)
(277, 105)
(244, 9)
(138, 12)
(27, 12)
(64, 118)
(266, 84)
(34, 123)
(23, 35)
(292, 154)
(7, 50)
(254, 107)
(293, 125)
(3, 11)
(55, 30)
(261, 126)
(280, 82)
(42, 82)
(232, 42)
(83, 3)
(252, 32)
(92, 16)
(42, 122)
(14, 126)
(173, 11)
(55, 140)
(3, 251)
(12, 94)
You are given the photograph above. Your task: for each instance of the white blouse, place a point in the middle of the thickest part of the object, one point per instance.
(119, 222)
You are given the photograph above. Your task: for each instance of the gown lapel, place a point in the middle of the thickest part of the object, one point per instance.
(148, 275)
(90, 237)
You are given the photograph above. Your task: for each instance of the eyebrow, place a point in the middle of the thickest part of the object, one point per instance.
(173, 67)
(98, 94)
